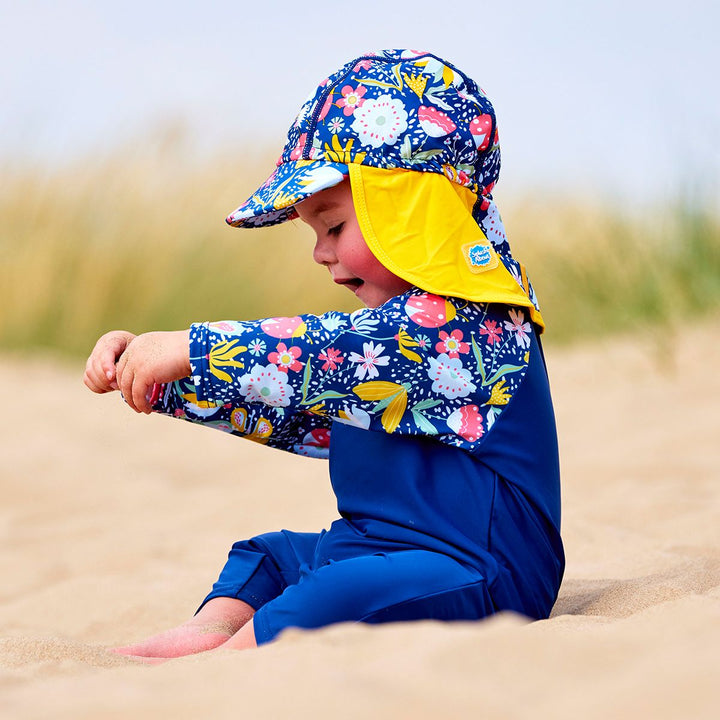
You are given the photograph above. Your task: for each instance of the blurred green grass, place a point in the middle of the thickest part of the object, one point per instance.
(137, 240)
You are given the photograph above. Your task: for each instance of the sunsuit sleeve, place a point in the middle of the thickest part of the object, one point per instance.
(420, 365)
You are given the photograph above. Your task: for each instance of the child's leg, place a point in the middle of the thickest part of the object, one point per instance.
(257, 571)
(215, 623)
(384, 587)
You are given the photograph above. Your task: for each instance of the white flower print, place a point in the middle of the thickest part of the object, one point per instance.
(332, 321)
(257, 347)
(449, 377)
(354, 416)
(380, 122)
(266, 384)
(320, 178)
(519, 327)
(369, 360)
(363, 321)
(335, 125)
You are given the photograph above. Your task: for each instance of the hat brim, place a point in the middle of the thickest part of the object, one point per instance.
(274, 201)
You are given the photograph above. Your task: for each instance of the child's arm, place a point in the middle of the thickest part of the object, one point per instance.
(420, 364)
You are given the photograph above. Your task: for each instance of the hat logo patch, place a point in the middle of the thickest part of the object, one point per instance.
(479, 257)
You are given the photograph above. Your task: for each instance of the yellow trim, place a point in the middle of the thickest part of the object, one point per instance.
(420, 227)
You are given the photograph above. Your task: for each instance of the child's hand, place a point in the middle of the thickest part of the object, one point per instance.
(155, 357)
(100, 366)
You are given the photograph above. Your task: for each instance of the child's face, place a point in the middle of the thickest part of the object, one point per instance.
(341, 247)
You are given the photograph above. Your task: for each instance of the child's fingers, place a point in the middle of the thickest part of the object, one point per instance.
(95, 378)
(100, 373)
(124, 378)
(133, 382)
(141, 391)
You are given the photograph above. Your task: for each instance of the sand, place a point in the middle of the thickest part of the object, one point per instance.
(114, 526)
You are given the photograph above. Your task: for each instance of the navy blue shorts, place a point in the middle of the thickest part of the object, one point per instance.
(286, 578)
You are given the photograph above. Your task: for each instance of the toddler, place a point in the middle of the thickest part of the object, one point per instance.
(432, 403)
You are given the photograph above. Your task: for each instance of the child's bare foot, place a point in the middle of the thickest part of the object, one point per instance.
(182, 640)
(215, 624)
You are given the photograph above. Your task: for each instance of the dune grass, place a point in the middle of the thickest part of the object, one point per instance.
(600, 271)
(137, 240)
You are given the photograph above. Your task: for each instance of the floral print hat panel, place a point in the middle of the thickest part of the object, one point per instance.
(418, 140)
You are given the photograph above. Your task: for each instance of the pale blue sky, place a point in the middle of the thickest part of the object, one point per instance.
(620, 97)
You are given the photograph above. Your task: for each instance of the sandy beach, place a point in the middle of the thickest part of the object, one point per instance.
(115, 525)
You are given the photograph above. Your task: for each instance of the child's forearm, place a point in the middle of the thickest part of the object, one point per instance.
(297, 432)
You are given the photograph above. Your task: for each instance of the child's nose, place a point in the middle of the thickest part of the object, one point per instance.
(323, 253)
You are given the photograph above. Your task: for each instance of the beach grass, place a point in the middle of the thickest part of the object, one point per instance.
(137, 240)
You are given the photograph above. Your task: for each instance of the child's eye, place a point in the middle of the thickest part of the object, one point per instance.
(336, 229)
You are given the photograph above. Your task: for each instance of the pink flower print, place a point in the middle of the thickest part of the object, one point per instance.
(480, 128)
(519, 327)
(434, 122)
(297, 151)
(286, 358)
(467, 422)
(363, 65)
(492, 330)
(331, 359)
(369, 360)
(430, 311)
(351, 98)
(284, 327)
(326, 107)
(320, 437)
(224, 326)
(452, 344)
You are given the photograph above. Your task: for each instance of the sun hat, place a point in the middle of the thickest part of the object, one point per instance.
(418, 140)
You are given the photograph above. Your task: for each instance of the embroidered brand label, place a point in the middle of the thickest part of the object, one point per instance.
(479, 256)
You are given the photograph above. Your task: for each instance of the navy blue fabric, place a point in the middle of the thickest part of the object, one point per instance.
(426, 530)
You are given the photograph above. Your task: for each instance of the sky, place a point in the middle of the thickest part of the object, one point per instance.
(618, 98)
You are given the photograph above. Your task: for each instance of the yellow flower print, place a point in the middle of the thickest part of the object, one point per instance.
(499, 394)
(377, 390)
(340, 154)
(405, 342)
(262, 431)
(393, 412)
(221, 355)
(318, 409)
(238, 419)
(382, 390)
(416, 83)
(193, 400)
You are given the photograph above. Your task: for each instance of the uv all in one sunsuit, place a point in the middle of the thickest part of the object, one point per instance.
(446, 525)
(434, 409)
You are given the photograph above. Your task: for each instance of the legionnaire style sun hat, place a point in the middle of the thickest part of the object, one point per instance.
(418, 140)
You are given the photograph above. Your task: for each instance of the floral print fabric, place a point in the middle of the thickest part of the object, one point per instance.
(419, 365)
(389, 109)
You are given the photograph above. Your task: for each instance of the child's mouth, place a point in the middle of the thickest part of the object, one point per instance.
(353, 284)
